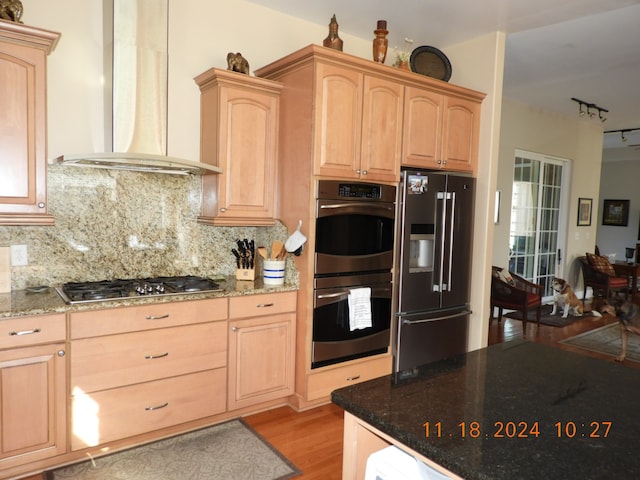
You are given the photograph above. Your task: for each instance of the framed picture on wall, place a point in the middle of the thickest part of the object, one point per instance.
(616, 213)
(584, 211)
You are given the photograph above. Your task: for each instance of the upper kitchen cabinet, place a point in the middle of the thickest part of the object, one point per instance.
(23, 123)
(239, 134)
(440, 130)
(358, 120)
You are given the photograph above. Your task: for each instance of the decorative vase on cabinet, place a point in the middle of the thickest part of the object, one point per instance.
(23, 156)
(239, 133)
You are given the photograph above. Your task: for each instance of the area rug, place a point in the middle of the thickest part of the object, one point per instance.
(606, 340)
(545, 317)
(231, 450)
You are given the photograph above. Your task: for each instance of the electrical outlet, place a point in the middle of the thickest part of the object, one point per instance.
(19, 256)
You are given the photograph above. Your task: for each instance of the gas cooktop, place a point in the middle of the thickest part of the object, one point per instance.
(100, 291)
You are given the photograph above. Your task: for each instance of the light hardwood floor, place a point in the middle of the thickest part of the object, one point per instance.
(312, 440)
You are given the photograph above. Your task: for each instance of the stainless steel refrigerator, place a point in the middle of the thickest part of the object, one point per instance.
(435, 223)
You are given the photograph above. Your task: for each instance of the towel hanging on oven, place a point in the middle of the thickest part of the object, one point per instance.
(359, 308)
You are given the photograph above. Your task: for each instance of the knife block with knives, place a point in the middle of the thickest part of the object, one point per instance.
(245, 259)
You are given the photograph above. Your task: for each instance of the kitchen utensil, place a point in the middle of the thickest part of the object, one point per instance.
(276, 249)
(262, 251)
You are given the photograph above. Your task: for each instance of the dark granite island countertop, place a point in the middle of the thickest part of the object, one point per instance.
(516, 410)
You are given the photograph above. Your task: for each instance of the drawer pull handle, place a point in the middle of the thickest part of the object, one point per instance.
(24, 332)
(151, 357)
(350, 379)
(158, 317)
(149, 409)
(263, 305)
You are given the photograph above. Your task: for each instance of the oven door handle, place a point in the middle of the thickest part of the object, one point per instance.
(351, 205)
(332, 295)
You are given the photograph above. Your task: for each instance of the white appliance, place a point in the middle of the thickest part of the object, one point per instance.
(391, 463)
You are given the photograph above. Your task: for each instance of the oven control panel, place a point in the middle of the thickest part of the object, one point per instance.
(335, 190)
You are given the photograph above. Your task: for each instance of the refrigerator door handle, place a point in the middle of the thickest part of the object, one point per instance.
(451, 225)
(438, 285)
(446, 317)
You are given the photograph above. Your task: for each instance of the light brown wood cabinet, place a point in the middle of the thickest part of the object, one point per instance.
(261, 348)
(358, 120)
(23, 123)
(239, 134)
(32, 390)
(440, 131)
(147, 367)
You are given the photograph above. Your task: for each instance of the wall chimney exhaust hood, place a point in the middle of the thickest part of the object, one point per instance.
(135, 71)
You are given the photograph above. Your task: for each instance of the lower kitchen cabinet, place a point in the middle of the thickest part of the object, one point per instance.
(32, 390)
(117, 413)
(261, 348)
(138, 369)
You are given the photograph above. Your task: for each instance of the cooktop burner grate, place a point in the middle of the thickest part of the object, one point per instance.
(83, 292)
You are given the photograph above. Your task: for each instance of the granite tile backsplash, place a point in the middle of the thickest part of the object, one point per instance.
(120, 224)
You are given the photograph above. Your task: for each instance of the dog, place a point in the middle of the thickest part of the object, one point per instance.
(628, 316)
(565, 298)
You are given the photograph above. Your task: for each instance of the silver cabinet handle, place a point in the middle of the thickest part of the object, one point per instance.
(151, 357)
(24, 332)
(234, 329)
(61, 353)
(158, 317)
(165, 404)
(264, 305)
(365, 172)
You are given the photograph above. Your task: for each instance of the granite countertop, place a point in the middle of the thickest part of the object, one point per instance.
(23, 302)
(515, 389)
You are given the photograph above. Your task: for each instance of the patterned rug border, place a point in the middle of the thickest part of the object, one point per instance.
(578, 341)
(294, 471)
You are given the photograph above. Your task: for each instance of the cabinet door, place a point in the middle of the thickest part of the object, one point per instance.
(381, 129)
(338, 121)
(422, 128)
(260, 359)
(22, 135)
(460, 134)
(32, 404)
(247, 152)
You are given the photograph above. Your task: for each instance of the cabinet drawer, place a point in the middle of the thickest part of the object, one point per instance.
(146, 317)
(321, 384)
(264, 304)
(117, 360)
(32, 330)
(123, 412)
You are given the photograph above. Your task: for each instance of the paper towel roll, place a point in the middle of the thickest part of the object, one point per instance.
(425, 258)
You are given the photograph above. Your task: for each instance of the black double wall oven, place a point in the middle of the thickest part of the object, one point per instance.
(353, 250)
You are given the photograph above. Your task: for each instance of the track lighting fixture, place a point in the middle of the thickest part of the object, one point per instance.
(622, 132)
(591, 107)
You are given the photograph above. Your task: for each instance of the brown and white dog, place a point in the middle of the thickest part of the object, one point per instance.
(628, 315)
(565, 298)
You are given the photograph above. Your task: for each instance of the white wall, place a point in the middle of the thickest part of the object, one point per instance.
(484, 65)
(579, 140)
(619, 181)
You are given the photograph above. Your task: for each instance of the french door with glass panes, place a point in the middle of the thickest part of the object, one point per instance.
(538, 217)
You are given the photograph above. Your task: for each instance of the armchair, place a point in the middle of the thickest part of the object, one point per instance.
(599, 274)
(518, 294)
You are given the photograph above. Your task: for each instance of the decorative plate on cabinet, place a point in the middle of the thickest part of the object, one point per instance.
(431, 62)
